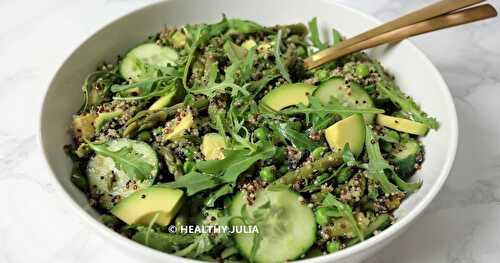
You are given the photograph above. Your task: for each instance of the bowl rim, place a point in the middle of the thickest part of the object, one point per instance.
(386, 234)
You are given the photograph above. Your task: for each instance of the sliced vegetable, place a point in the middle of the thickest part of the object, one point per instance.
(120, 168)
(287, 228)
(135, 64)
(350, 130)
(402, 125)
(288, 95)
(144, 205)
(347, 93)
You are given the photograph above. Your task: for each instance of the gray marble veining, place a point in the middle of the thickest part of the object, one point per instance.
(461, 225)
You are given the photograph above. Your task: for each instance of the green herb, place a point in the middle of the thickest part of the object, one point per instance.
(315, 39)
(163, 241)
(346, 212)
(298, 139)
(194, 182)
(222, 191)
(348, 156)
(126, 159)
(406, 103)
(277, 55)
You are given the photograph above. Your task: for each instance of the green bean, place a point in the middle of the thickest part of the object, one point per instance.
(382, 221)
(307, 171)
(173, 165)
(333, 246)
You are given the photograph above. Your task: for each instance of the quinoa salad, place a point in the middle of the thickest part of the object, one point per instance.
(214, 142)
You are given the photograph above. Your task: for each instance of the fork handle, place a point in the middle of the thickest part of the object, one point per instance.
(445, 21)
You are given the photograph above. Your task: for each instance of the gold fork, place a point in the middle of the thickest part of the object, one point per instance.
(443, 14)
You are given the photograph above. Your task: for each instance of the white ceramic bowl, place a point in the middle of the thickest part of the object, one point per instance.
(414, 73)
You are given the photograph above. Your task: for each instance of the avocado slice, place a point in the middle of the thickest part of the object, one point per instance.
(178, 127)
(213, 146)
(288, 95)
(402, 125)
(350, 130)
(142, 206)
(83, 126)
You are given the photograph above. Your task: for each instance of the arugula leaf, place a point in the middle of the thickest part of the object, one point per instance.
(126, 159)
(236, 168)
(163, 241)
(201, 244)
(277, 55)
(406, 103)
(348, 156)
(235, 162)
(194, 182)
(377, 164)
(346, 211)
(245, 26)
(213, 88)
(337, 37)
(298, 139)
(222, 191)
(315, 39)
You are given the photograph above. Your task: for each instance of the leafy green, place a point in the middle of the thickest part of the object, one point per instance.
(348, 156)
(279, 62)
(126, 159)
(346, 211)
(406, 103)
(298, 139)
(166, 242)
(337, 37)
(245, 26)
(194, 182)
(315, 39)
(236, 162)
(213, 88)
(200, 245)
(377, 164)
(222, 191)
(216, 172)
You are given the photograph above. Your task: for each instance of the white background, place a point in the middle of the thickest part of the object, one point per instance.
(461, 225)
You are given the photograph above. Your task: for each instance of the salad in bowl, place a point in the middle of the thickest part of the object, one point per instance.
(214, 142)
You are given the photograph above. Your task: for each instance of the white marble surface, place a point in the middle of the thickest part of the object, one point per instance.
(461, 225)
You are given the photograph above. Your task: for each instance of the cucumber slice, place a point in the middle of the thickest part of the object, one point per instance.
(133, 65)
(286, 233)
(405, 156)
(108, 184)
(351, 94)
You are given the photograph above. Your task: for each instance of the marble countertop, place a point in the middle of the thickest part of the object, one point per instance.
(461, 225)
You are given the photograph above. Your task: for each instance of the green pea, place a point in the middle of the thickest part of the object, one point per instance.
(188, 166)
(321, 74)
(144, 136)
(321, 217)
(333, 246)
(261, 134)
(318, 152)
(267, 174)
(301, 51)
(283, 169)
(362, 70)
